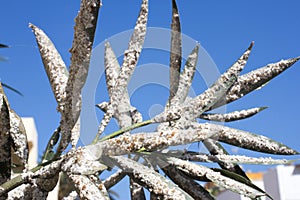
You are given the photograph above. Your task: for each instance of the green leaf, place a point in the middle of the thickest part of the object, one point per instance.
(235, 159)
(216, 177)
(252, 141)
(215, 148)
(112, 68)
(176, 51)
(3, 46)
(5, 142)
(87, 189)
(186, 77)
(217, 91)
(19, 138)
(150, 179)
(84, 32)
(54, 65)
(240, 179)
(188, 184)
(232, 116)
(149, 141)
(112, 71)
(114, 179)
(255, 79)
(131, 56)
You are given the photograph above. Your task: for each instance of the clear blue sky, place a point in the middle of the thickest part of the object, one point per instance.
(224, 29)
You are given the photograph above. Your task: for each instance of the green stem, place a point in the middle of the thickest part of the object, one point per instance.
(123, 130)
(19, 180)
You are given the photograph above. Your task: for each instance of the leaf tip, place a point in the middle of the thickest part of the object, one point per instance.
(297, 58)
(196, 48)
(107, 44)
(174, 5)
(263, 108)
(30, 25)
(4, 46)
(251, 45)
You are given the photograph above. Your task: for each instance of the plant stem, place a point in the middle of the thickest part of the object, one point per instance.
(123, 130)
(19, 180)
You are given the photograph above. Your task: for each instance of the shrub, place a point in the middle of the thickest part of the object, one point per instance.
(144, 157)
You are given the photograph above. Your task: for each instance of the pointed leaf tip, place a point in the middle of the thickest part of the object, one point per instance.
(232, 116)
(263, 108)
(3, 46)
(81, 50)
(292, 61)
(131, 56)
(253, 142)
(251, 45)
(32, 26)
(206, 100)
(240, 179)
(107, 44)
(186, 77)
(54, 65)
(297, 58)
(176, 51)
(256, 79)
(174, 6)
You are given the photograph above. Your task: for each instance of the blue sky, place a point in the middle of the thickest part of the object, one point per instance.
(224, 30)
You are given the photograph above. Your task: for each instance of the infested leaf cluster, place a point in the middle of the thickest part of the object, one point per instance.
(144, 156)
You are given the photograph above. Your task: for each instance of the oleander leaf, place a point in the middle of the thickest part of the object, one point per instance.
(195, 170)
(84, 30)
(112, 68)
(186, 183)
(114, 179)
(215, 148)
(131, 56)
(255, 79)
(112, 71)
(232, 116)
(3, 46)
(122, 113)
(151, 141)
(216, 92)
(150, 179)
(87, 189)
(5, 143)
(252, 141)
(19, 138)
(235, 159)
(54, 65)
(240, 179)
(186, 77)
(103, 106)
(176, 51)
